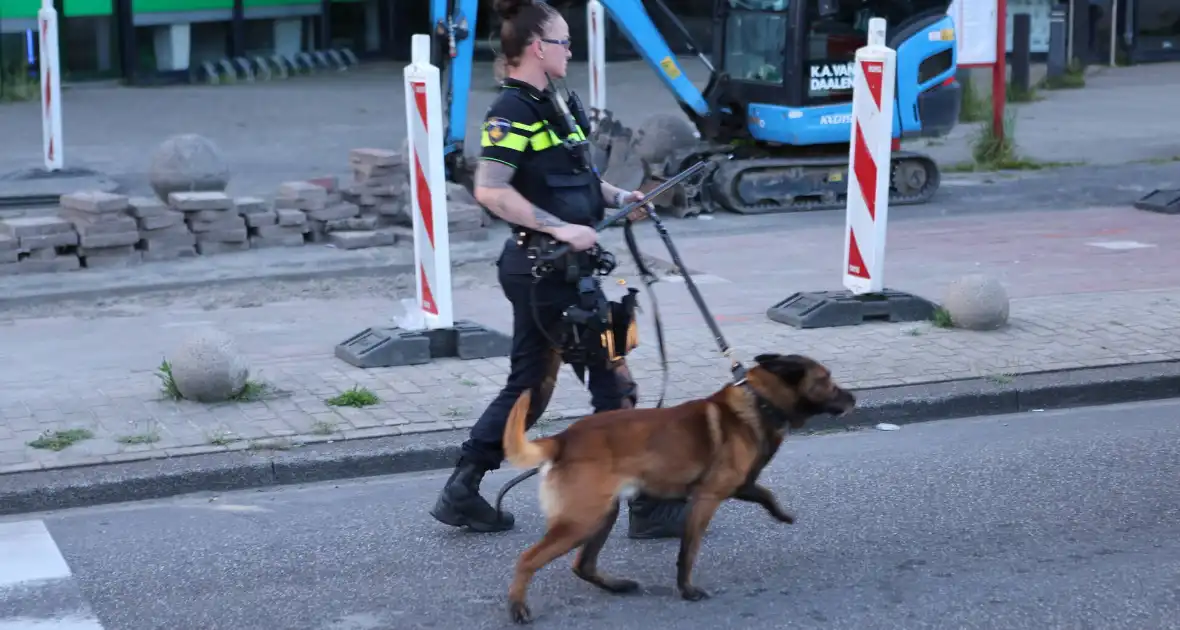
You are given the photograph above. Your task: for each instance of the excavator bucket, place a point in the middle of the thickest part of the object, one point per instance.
(623, 167)
(643, 159)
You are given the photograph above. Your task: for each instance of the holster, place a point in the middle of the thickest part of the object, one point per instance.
(571, 266)
(618, 338)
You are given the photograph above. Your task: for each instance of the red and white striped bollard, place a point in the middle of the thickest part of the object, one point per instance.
(869, 169)
(51, 142)
(428, 192)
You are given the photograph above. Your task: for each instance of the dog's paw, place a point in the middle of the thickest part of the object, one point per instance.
(785, 517)
(693, 594)
(520, 612)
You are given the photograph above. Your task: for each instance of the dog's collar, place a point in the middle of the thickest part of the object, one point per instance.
(767, 411)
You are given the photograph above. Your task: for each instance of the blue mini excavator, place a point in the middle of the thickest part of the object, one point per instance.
(776, 110)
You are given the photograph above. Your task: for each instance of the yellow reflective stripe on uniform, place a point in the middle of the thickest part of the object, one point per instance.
(548, 139)
(513, 141)
(535, 137)
(542, 141)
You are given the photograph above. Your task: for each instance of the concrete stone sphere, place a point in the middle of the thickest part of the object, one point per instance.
(977, 302)
(188, 163)
(208, 368)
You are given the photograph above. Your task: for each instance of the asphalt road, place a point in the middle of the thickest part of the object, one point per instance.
(1040, 521)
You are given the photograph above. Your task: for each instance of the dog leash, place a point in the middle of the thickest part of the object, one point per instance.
(649, 278)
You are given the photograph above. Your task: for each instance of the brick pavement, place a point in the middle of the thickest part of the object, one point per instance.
(1090, 287)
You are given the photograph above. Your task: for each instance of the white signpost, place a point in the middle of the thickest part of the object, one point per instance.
(51, 141)
(428, 192)
(867, 209)
(596, 57)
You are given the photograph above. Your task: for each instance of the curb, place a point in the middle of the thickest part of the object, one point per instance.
(85, 486)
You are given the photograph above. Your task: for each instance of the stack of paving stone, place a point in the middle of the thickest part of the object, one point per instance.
(269, 227)
(163, 234)
(380, 185)
(214, 221)
(37, 245)
(329, 217)
(107, 233)
(466, 219)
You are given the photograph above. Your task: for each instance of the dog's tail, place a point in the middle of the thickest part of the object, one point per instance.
(518, 449)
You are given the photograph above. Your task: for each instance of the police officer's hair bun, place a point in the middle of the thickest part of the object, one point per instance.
(524, 21)
(509, 9)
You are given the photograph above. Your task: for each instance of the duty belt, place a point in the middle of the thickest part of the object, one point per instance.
(572, 265)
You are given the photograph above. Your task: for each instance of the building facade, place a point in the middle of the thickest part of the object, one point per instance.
(144, 40)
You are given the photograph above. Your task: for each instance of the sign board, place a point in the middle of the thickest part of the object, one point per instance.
(829, 77)
(975, 28)
(1038, 11)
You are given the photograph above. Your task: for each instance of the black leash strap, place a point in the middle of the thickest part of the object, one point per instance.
(739, 372)
(649, 279)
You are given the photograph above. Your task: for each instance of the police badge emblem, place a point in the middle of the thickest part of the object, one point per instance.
(497, 128)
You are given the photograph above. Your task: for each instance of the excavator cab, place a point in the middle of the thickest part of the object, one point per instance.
(800, 53)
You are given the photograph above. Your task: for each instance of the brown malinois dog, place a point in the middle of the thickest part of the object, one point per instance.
(707, 450)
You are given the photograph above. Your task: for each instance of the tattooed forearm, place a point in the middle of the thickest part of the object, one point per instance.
(544, 219)
(493, 189)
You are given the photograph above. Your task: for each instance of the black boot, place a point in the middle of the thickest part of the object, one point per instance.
(459, 504)
(656, 518)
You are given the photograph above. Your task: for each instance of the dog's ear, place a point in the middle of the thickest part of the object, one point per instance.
(790, 368)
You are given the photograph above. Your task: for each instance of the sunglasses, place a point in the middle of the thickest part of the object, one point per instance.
(557, 42)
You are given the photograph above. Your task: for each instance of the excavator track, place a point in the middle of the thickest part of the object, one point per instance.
(772, 185)
(758, 183)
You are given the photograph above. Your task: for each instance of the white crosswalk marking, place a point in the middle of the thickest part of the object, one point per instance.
(37, 588)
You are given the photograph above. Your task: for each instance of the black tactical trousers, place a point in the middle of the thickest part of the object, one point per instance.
(530, 360)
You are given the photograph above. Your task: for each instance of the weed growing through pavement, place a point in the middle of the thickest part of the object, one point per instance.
(1074, 78)
(322, 427)
(356, 397)
(167, 383)
(252, 391)
(16, 85)
(222, 438)
(60, 440)
(1001, 378)
(942, 318)
(274, 444)
(150, 437)
(1016, 94)
(974, 106)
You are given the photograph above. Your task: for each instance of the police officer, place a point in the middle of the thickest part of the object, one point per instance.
(527, 177)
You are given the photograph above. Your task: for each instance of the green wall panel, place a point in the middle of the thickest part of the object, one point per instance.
(79, 8)
(169, 6)
(276, 3)
(19, 9)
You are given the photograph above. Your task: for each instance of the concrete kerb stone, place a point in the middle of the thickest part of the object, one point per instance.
(84, 486)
